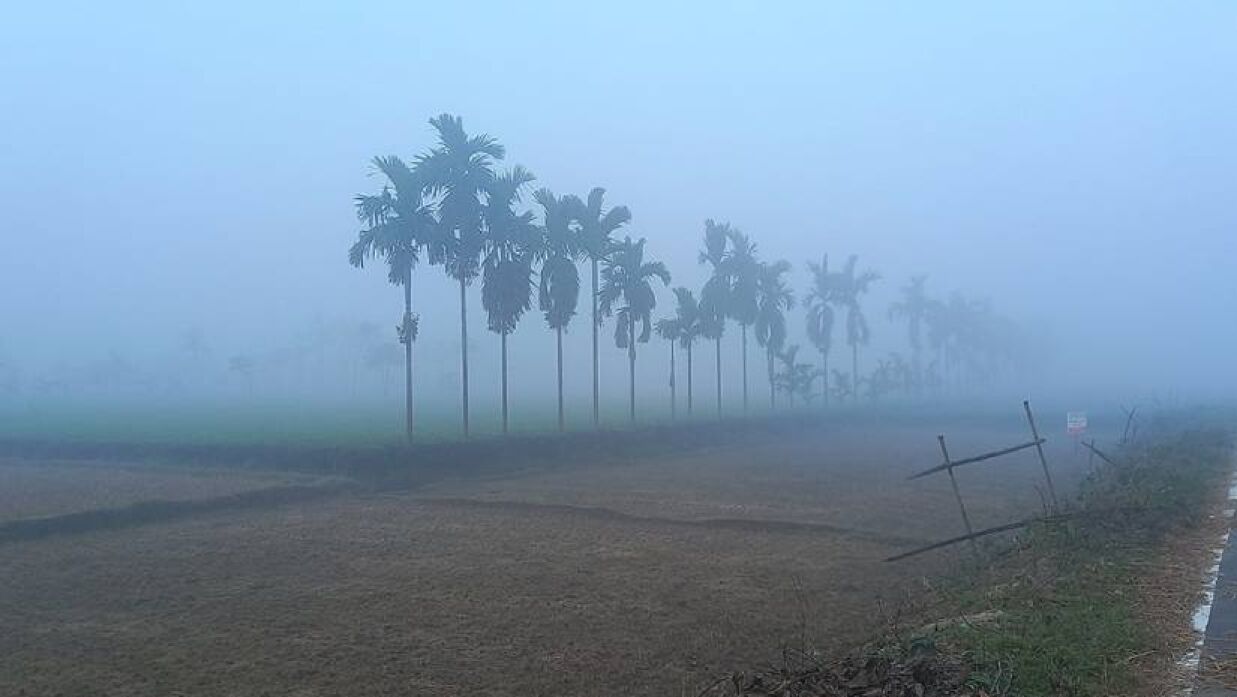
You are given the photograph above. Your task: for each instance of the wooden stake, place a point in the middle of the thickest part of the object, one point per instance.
(977, 458)
(1100, 453)
(966, 520)
(1039, 448)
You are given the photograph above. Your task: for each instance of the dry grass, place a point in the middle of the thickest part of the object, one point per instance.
(1169, 587)
(614, 580)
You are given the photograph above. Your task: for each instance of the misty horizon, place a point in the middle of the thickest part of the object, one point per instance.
(1065, 164)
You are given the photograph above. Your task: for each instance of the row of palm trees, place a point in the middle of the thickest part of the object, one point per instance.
(451, 207)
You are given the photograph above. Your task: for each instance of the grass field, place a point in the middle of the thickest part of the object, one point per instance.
(608, 576)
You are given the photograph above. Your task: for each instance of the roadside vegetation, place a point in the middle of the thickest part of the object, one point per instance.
(1095, 601)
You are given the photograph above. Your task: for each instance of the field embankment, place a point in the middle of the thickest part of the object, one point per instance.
(1098, 602)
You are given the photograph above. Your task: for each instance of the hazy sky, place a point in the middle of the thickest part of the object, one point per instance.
(170, 165)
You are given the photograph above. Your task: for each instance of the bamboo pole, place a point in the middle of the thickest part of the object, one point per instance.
(977, 458)
(1091, 446)
(1039, 448)
(966, 520)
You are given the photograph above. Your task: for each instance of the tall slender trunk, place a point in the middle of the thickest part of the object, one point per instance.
(631, 366)
(744, 326)
(596, 375)
(464, 353)
(824, 377)
(718, 363)
(689, 379)
(674, 398)
(916, 357)
(854, 370)
(917, 370)
(504, 365)
(559, 332)
(772, 387)
(408, 355)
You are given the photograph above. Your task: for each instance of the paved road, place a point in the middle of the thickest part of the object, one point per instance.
(1220, 639)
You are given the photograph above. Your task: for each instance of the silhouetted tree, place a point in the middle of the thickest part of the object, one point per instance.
(626, 277)
(794, 378)
(687, 316)
(715, 296)
(744, 272)
(457, 172)
(820, 315)
(672, 331)
(398, 225)
(507, 272)
(842, 386)
(773, 299)
(559, 290)
(596, 226)
(848, 289)
(914, 308)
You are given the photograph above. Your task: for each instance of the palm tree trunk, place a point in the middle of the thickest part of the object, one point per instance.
(689, 379)
(464, 353)
(854, 370)
(772, 388)
(504, 365)
(744, 326)
(559, 332)
(718, 363)
(824, 378)
(596, 375)
(408, 355)
(674, 398)
(917, 370)
(631, 367)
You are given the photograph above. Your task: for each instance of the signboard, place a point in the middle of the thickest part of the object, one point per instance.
(1076, 422)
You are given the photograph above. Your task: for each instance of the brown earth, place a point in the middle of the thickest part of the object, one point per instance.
(611, 577)
(36, 489)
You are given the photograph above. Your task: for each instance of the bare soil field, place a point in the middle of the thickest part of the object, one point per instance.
(637, 576)
(36, 488)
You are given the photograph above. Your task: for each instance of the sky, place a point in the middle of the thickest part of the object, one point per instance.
(171, 167)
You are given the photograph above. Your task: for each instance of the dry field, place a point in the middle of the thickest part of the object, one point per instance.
(611, 577)
(30, 489)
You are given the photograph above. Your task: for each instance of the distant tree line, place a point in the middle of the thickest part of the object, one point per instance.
(452, 207)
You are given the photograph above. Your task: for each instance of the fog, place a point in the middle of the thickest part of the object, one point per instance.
(178, 184)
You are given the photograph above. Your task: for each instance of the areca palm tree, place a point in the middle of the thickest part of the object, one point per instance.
(559, 290)
(794, 378)
(687, 315)
(716, 294)
(773, 299)
(744, 272)
(597, 224)
(672, 331)
(848, 289)
(457, 172)
(398, 225)
(627, 277)
(914, 307)
(958, 329)
(820, 318)
(506, 285)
